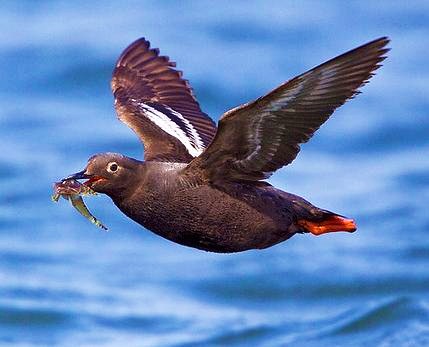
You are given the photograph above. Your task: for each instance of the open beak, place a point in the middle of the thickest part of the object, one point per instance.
(81, 175)
(78, 176)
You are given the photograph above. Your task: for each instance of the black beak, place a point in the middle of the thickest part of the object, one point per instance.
(78, 176)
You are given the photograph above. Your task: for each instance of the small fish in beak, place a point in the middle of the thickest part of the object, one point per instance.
(70, 189)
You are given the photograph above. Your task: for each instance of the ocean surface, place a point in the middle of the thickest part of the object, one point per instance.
(63, 282)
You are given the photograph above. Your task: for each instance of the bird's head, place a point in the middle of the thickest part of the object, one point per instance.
(109, 173)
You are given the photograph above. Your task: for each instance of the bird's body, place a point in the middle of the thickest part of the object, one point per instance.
(202, 186)
(230, 217)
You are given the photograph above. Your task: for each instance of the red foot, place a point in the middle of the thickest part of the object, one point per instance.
(328, 225)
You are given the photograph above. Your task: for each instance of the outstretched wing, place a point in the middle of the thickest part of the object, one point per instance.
(153, 99)
(257, 138)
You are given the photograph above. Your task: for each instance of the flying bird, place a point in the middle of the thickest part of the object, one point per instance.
(203, 185)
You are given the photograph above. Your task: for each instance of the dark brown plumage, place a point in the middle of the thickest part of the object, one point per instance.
(201, 186)
(141, 76)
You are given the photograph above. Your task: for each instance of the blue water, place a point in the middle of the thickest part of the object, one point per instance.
(63, 282)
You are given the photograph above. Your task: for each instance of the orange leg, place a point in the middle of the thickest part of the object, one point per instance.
(331, 224)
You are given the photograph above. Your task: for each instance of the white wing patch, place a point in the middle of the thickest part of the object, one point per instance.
(189, 138)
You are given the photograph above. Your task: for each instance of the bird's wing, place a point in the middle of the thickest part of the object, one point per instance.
(257, 138)
(153, 99)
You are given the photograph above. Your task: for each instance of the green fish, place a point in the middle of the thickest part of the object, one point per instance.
(73, 190)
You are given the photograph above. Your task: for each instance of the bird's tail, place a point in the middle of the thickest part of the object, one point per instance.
(329, 222)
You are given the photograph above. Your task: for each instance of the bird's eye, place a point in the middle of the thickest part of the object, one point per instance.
(112, 167)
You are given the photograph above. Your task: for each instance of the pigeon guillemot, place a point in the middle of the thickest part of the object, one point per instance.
(203, 186)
